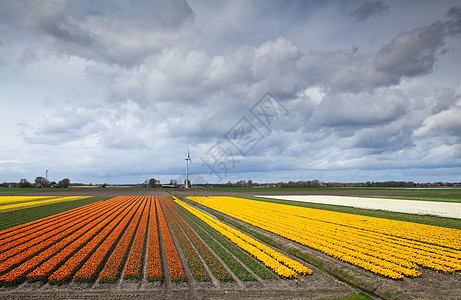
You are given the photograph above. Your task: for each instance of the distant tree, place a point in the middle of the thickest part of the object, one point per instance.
(152, 183)
(250, 182)
(64, 183)
(41, 180)
(173, 182)
(188, 182)
(23, 183)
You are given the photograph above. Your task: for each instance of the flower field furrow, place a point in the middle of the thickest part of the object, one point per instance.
(195, 264)
(19, 272)
(88, 271)
(28, 228)
(219, 271)
(263, 253)
(215, 265)
(133, 266)
(206, 232)
(390, 248)
(113, 266)
(153, 265)
(174, 263)
(68, 265)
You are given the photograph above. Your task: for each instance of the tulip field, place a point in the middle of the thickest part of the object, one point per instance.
(124, 237)
(389, 248)
(214, 244)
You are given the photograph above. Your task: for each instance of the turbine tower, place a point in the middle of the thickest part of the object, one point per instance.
(187, 167)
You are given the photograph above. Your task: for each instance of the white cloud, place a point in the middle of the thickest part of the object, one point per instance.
(446, 122)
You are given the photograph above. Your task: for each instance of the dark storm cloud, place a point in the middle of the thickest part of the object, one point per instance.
(454, 23)
(360, 110)
(411, 53)
(368, 9)
(415, 52)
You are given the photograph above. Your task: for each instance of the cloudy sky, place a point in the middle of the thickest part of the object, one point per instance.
(115, 91)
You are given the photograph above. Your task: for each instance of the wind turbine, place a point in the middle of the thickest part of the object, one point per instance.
(187, 167)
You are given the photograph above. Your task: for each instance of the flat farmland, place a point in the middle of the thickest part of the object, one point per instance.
(149, 246)
(147, 243)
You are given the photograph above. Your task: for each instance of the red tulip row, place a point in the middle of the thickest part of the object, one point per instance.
(174, 263)
(215, 265)
(90, 268)
(85, 246)
(134, 263)
(39, 254)
(196, 266)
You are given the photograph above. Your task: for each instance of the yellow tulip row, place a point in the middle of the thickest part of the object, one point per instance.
(34, 202)
(4, 200)
(390, 248)
(333, 247)
(279, 263)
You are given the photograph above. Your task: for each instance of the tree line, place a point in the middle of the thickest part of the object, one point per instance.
(39, 182)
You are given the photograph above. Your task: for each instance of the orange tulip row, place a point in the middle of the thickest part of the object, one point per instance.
(42, 254)
(196, 266)
(41, 239)
(212, 261)
(16, 237)
(90, 268)
(21, 231)
(134, 263)
(89, 243)
(174, 263)
(154, 261)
